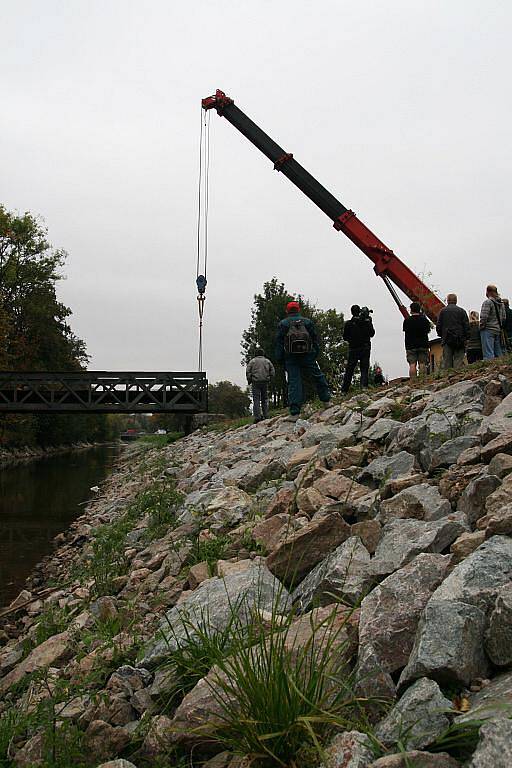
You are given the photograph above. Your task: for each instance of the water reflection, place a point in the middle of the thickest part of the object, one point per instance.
(37, 501)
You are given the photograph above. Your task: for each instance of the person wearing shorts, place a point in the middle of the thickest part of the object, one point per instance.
(416, 329)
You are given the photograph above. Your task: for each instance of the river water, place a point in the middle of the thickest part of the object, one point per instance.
(40, 499)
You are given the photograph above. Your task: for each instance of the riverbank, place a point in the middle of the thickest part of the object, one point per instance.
(10, 457)
(348, 542)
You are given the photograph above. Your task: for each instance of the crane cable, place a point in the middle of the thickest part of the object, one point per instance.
(202, 223)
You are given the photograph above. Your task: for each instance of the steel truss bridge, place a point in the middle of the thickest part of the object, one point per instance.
(103, 392)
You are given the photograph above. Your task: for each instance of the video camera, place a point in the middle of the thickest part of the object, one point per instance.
(365, 313)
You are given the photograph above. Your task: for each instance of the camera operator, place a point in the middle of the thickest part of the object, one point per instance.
(358, 331)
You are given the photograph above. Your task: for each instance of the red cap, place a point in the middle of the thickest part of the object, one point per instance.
(293, 306)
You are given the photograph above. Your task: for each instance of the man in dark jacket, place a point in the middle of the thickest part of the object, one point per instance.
(259, 373)
(453, 328)
(297, 346)
(507, 326)
(358, 332)
(416, 329)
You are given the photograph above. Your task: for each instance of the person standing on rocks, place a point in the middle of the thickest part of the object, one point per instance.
(297, 346)
(453, 328)
(508, 323)
(259, 373)
(492, 321)
(474, 348)
(359, 332)
(416, 328)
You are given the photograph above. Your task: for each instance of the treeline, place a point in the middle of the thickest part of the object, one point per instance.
(35, 334)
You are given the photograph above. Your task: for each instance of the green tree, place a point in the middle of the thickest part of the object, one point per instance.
(269, 308)
(34, 330)
(226, 397)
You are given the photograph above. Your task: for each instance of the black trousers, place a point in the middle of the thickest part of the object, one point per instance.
(355, 356)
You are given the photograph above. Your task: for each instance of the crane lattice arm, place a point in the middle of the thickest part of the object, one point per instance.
(386, 264)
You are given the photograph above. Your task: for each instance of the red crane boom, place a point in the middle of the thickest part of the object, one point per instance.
(387, 265)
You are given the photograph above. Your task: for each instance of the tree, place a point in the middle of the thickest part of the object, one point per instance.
(34, 330)
(226, 397)
(269, 308)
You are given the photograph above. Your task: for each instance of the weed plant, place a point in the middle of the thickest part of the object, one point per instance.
(209, 550)
(280, 699)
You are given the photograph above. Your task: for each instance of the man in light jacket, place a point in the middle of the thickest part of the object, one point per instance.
(259, 372)
(493, 318)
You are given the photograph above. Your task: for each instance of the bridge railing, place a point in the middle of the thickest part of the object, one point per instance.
(103, 392)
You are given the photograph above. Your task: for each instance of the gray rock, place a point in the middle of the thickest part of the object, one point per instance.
(344, 573)
(402, 540)
(422, 502)
(500, 465)
(230, 506)
(473, 498)
(391, 612)
(120, 763)
(379, 407)
(493, 701)
(213, 605)
(459, 398)
(385, 468)
(448, 453)
(350, 749)
(477, 579)
(448, 645)
(499, 422)
(495, 745)
(498, 638)
(418, 718)
(416, 759)
(381, 430)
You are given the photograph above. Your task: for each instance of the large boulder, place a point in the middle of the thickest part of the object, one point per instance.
(228, 508)
(390, 613)
(498, 637)
(448, 645)
(460, 398)
(344, 574)
(472, 499)
(402, 540)
(495, 745)
(213, 606)
(422, 502)
(51, 653)
(298, 553)
(386, 468)
(350, 749)
(477, 579)
(337, 485)
(448, 453)
(381, 430)
(493, 701)
(418, 719)
(501, 497)
(416, 759)
(499, 422)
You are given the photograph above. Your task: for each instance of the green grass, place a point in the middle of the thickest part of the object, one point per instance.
(281, 701)
(208, 550)
(160, 441)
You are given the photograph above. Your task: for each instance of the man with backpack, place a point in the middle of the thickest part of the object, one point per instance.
(259, 373)
(297, 346)
(453, 328)
(358, 331)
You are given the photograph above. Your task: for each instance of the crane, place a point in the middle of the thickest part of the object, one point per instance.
(386, 264)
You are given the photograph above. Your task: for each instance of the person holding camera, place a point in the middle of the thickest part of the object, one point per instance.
(358, 332)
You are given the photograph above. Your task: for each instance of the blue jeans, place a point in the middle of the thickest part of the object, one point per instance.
(491, 345)
(296, 366)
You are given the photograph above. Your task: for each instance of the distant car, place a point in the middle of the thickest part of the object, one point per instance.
(161, 432)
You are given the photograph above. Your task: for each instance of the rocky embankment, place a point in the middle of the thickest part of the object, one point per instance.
(11, 456)
(335, 591)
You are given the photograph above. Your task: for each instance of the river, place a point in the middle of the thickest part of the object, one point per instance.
(38, 500)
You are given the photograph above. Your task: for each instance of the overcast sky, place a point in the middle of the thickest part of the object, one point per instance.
(400, 108)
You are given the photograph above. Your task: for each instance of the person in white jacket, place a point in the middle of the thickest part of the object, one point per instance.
(260, 373)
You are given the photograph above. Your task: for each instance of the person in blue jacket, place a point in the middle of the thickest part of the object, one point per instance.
(297, 347)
